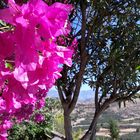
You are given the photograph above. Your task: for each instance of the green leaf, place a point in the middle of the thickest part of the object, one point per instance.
(138, 67)
(9, 65)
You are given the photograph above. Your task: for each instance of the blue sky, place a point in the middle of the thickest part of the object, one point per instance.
(83, 88)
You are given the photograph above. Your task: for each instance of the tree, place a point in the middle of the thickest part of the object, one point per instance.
(113, 65)
(107, 57)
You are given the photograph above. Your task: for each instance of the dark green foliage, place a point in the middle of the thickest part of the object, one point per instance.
(30, 130)
(115, 46)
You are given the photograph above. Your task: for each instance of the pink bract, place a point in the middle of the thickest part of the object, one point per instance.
(30, 58)
(39, 118)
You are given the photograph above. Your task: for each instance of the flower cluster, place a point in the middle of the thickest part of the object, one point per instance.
(39, 118)
(30, 57)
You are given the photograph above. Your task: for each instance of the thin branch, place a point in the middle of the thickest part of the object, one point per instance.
(61, 96)
(96, 96)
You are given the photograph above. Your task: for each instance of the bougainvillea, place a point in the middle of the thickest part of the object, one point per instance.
(31, 58)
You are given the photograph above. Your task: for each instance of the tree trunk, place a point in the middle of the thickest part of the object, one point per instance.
(90, 134)
(67, 126)
(93, 132)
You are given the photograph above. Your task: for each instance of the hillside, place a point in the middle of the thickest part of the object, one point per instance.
(128, 118)
(85, 95)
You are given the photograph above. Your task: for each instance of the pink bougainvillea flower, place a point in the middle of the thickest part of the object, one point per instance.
(3, 135)
(7, 40)
(5, 125)
(31, 58)
(39, 118)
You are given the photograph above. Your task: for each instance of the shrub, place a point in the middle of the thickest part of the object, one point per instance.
(114, 129)
(77, 134)
(59, 123)
(35, 129)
